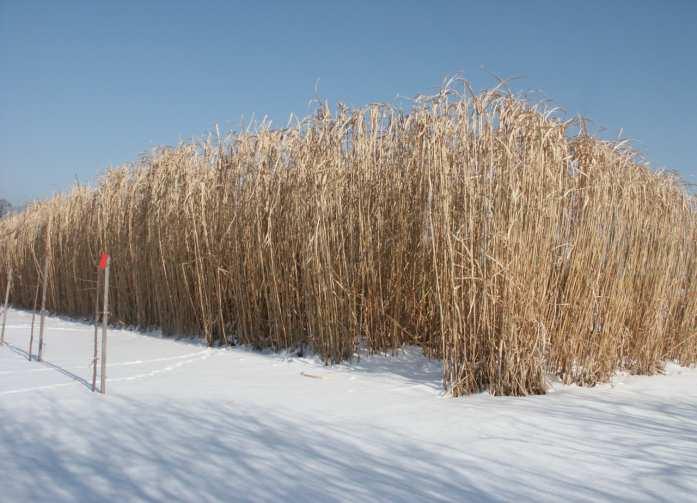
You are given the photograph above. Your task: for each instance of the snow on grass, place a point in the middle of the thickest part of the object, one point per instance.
(183, 422)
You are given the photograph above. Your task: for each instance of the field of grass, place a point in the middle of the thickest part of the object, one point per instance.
(489, 231)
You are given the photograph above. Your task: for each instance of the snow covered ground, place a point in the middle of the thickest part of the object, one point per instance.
(183, 422)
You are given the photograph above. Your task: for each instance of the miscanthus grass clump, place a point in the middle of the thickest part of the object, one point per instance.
(500, 238)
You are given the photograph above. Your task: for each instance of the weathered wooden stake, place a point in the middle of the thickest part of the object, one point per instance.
(33, 319)
(42, 319)
(4, 311)
(42, 322)
(96, 330)
(105, 316)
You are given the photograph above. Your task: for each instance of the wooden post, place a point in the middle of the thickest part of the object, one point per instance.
(4, 311)
(42, 319)
(96, 331)
(105, 316)
(33, 319)
(42, 322)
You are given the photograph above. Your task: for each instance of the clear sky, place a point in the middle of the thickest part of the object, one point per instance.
(85, 85)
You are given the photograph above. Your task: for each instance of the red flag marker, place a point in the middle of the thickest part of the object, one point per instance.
(102, 261)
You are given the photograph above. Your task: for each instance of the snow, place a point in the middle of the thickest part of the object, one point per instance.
(183, 422)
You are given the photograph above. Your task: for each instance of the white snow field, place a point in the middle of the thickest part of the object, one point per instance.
(182, 422)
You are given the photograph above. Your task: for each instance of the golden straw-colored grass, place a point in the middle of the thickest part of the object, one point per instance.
(480, 227)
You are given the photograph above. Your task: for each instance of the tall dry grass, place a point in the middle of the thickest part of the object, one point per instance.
(477, 226)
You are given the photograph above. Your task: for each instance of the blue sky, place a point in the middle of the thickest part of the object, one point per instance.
(85, 85)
